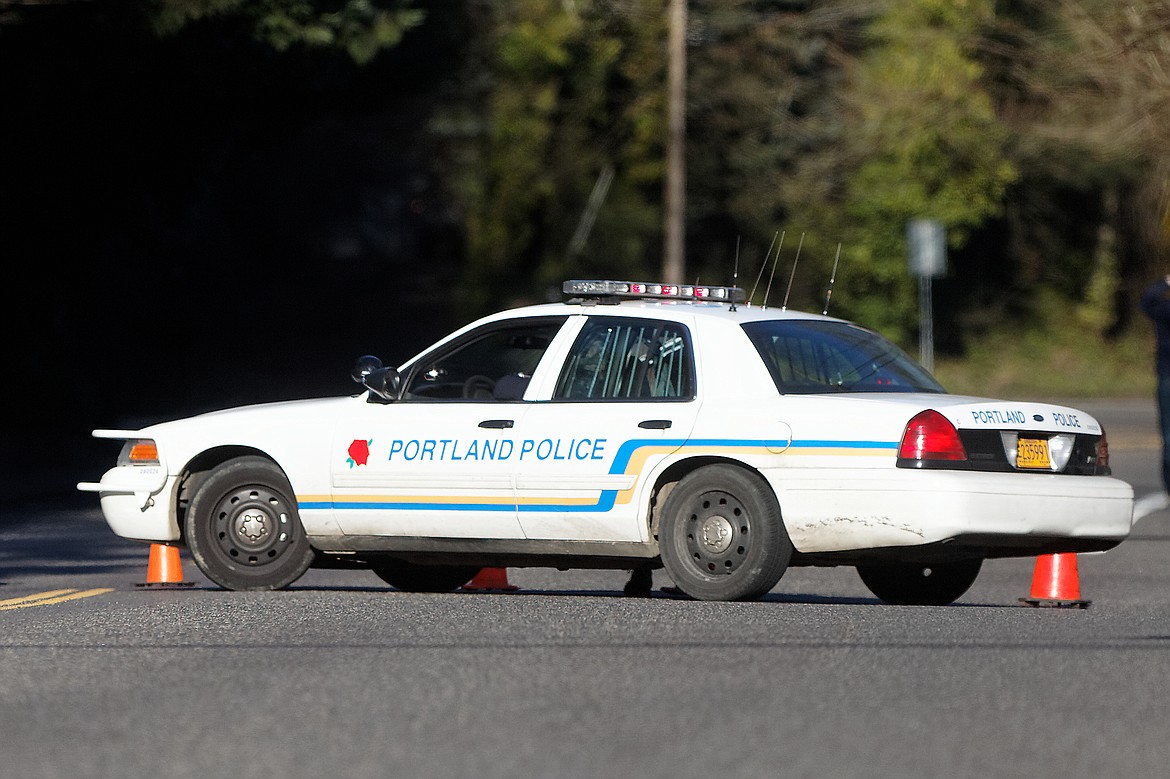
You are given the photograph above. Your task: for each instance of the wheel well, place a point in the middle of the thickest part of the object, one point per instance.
(675, 472)
(197, 470)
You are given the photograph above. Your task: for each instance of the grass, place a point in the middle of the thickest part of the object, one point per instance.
(1053, 363)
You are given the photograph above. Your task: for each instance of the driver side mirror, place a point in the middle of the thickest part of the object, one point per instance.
(371, 374)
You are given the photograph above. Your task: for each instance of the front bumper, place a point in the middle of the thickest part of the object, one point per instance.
(136, 502)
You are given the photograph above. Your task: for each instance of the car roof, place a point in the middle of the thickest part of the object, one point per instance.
(669, 309)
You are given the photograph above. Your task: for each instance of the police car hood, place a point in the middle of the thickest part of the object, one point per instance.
(285, 413)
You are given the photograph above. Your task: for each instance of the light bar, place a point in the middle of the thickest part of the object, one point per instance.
(638, 289)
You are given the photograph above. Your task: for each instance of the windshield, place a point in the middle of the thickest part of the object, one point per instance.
(812, 356)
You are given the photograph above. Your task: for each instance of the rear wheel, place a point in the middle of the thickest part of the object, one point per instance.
(920, 584)
(243, 529)
(721, 535)
(412, 577)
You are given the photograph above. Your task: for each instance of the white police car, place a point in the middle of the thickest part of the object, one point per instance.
(631, 426)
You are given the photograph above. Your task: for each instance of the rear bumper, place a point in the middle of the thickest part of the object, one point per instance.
(1004, 514)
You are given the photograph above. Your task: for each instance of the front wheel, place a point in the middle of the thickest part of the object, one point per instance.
(920, 584)
(721, 535)
(243, 529)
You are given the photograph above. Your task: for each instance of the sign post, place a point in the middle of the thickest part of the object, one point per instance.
(927, 239)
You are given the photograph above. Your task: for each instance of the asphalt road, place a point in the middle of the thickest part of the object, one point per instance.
(341, 675)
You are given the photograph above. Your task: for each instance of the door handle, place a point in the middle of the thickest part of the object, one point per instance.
(655, 424)
(497, 424)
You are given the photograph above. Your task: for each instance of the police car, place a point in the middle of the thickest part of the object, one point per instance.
(631, 426)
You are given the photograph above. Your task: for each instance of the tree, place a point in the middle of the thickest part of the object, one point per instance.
(765, 127)
(924, 141)
(1103, 89)
(572, 90)
(568, 91)
(361, 28)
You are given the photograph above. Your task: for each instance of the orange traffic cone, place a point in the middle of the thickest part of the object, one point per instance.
(490, 580)
(1055, 583)
(165, 569)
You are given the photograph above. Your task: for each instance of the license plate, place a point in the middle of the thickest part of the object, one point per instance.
(1033, 453)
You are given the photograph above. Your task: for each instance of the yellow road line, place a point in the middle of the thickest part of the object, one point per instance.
(35, 597)
(52, 596)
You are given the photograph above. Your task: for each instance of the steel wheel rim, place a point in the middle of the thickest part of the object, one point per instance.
(718, 534)
(251, 526)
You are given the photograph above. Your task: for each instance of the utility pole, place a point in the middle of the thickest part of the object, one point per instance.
(674, 259)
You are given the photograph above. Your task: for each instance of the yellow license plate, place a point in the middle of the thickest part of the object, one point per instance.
(1032, 453)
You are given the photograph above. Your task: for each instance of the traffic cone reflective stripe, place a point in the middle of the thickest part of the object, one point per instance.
(1056, 583)
(491, 579)
(164, 569)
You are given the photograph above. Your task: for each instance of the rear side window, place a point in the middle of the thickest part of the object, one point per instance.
(616, 358)
(816, 356)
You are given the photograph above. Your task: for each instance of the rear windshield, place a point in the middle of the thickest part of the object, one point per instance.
(815, 356)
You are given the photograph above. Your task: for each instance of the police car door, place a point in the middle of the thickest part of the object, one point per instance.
(622, 402)
(439, 461)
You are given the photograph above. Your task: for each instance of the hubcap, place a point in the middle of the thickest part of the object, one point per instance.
(252, 526)
(718, 533)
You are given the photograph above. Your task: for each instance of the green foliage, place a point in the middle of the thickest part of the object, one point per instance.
(361, 28)
(1097, 310)
(927, 143)
(764, 119)
(171, 16)
(1034, 130)
(1048, 358)
(572, 91)
(1087, 94)
(823, 120)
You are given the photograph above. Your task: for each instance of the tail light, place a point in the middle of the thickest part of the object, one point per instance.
(930, 436)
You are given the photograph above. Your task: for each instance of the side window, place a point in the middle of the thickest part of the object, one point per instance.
(494, 363)
(628, 359)
(814, 356)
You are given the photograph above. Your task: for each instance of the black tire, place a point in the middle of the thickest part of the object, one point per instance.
(920, 584)
(243, 529)
(721, 535)
(412, 577)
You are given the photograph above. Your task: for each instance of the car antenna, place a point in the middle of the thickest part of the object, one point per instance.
(793, 274)
(772, 275)
(832, 278)
(760, 275)
(735, 273)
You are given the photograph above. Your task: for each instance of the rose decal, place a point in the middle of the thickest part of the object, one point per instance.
(359, 452)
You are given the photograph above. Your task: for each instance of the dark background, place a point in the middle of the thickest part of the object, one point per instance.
(200, 222)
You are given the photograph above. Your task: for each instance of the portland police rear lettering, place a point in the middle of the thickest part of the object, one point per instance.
(995, 416)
